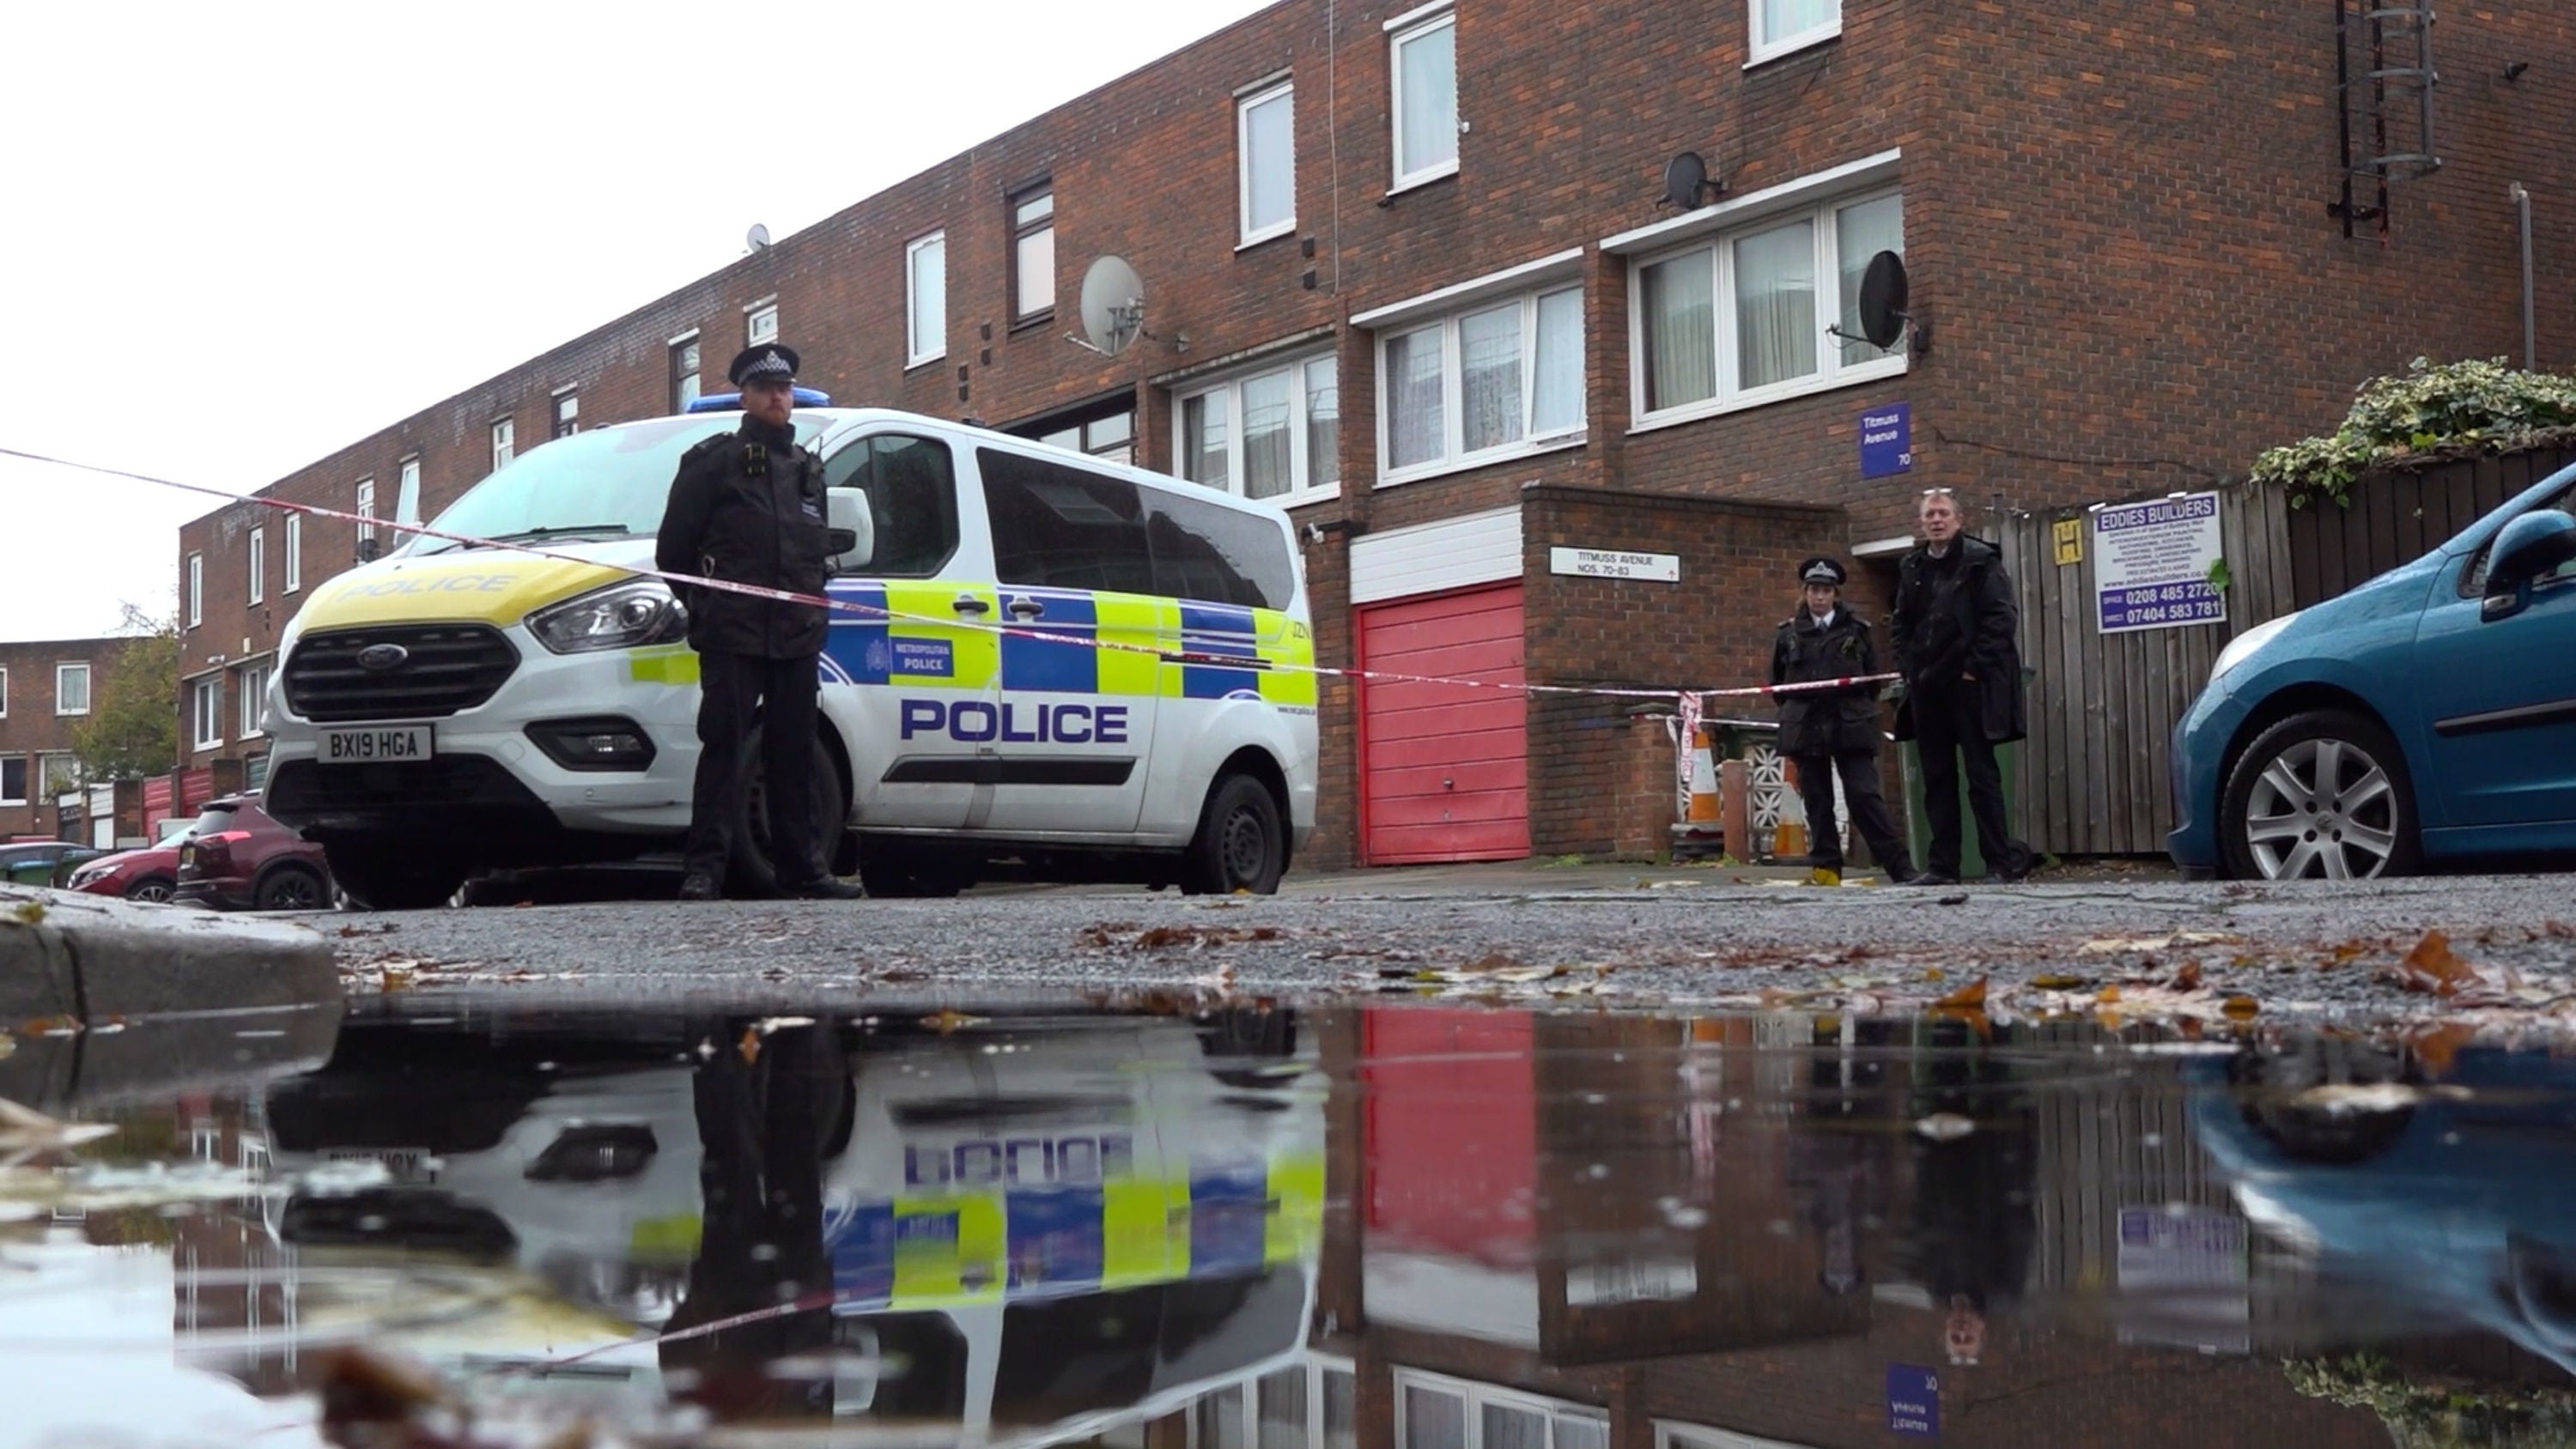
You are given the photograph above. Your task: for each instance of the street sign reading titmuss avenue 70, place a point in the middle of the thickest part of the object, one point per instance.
(2152, 564)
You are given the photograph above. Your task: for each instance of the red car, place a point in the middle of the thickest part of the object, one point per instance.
(148, 874)
(237, 858)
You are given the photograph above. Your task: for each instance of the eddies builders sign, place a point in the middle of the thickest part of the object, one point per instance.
(2152, 563)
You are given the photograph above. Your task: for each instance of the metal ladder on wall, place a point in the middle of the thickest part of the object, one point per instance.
(2384, 80)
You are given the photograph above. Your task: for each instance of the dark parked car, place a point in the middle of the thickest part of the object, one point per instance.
(238, 858)
(43, 862)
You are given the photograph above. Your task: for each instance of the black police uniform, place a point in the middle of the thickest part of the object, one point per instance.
(1955, 617)
(1830, 731)
(748, 507)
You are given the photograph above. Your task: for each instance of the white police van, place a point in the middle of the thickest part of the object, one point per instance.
(1045, 664)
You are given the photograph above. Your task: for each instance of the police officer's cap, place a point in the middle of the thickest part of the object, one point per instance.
(769, 362)
(1821, 570)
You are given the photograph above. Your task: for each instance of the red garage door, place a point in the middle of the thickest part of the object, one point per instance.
(1445, 766)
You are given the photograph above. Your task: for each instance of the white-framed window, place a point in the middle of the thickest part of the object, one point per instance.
(57, 773)
(250, 683)
(567, 413)
(505, 441)
(1032, 253)
(1422, 68)
(366, 510)
(258, 565)
(407, 490)
(1272, 433)
(1702, 1436)
(925, 299)
(1781, 26)
(4, 691)
(1265, 161)
(760, 323)
(1493, 382)
(206, 709)
(1434, 1411)
(1112, 437)
(1740, 320)
(13, 779)
(294, 553)
(1309, 1405)
(684, 371)
(71, 687)
(196, 589)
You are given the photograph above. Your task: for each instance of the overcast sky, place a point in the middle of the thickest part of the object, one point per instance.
(241, 236)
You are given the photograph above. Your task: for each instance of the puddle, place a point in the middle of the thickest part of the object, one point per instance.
(1396, 1226)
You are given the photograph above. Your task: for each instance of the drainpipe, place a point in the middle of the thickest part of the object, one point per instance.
(2522, 205)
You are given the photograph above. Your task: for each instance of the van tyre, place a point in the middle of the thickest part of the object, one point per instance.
(899, 869)
(2320, 795)
(291, 888)
(392, 878)
(751, 873)
(1240, 845)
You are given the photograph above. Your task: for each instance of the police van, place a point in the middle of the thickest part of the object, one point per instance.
(1040, 663)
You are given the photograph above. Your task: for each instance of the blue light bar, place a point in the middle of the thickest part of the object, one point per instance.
(731, 402)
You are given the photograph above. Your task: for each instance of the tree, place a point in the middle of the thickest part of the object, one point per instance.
(132, 729)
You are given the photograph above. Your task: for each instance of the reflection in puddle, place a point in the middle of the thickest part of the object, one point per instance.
(1385, 1227)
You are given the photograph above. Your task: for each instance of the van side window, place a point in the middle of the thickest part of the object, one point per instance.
(2474, 582)
(1210, 552)
(1064, 528)
(911, 485)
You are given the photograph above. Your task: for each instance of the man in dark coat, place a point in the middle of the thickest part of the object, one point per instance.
(748, 507)
(1955, 629)
(1835, 729)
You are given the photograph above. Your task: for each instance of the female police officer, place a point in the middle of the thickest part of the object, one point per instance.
(1833, 729)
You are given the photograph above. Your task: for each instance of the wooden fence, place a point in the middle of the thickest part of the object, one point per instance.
(2092, 778)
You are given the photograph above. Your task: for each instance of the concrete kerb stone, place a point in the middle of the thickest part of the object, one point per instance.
(93, 958)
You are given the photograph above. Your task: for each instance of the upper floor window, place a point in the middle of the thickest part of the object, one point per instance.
(567, 413)
(760, 323)
(250, 682)
(206, 707)
(684, 373)
(1422, 63)
(196, 589)
(1272, 434)
(4, 691)
(407, 491)
(1781, 26)
(1033, 253)
(1112, 437)
(925, 299)
(71, 688)
(1740, 320)
(505, 441)
(1482, 385)
(258, 565)
(366, 511)
(294, 552)
(1265, 148)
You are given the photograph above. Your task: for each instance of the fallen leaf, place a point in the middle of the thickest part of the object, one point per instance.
(1934, 973)
(50, 1026)
(1971, 997)
(749, 1046)
(2438, 1047)
(2107, 995)
(29, 912)
(2240, 1008)
(2433, 967)
(948, 1022)
(2343, 955)
(394, 980)
(2056, 981)
(2186, 979)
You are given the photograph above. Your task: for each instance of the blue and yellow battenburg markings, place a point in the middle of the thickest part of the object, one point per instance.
(1070, 642)
(996, 1243)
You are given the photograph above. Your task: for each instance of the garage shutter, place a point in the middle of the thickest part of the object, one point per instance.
(1446, 766)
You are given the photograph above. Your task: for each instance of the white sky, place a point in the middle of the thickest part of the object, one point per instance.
(240, 236)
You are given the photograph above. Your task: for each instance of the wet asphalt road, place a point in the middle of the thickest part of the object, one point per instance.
(1531, 933)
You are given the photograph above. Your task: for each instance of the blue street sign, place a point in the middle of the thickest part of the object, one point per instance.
(1913, 1401)
(1887, 440)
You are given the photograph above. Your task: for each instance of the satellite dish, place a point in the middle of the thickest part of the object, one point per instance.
(1686, 181)
(1883, 296)
(757, 237)
(1113, 306)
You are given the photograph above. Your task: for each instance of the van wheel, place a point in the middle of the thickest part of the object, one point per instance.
(291, 888)
(1240, 845)
(390, 878)
(894, 868)
(2323, 795)
(753, 871)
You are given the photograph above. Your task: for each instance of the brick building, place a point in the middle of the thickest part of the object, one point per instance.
(46, 686)
(1409, 274)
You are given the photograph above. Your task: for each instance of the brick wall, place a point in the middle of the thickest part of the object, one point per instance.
(2114, 214)
(30, 725)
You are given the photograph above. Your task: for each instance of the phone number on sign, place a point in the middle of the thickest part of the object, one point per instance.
(2187, 611)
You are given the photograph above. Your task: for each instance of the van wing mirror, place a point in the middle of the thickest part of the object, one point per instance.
(2526, 548)
(854, 530)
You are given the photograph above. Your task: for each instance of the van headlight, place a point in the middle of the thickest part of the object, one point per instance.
(620, 616)
(2242, 647)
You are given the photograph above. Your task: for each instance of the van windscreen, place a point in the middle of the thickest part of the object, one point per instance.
(600, 483)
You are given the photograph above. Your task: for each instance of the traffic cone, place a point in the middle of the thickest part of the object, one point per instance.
(1703, 797)
(1791, 836)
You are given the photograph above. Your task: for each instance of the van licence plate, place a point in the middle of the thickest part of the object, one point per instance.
(376, 743)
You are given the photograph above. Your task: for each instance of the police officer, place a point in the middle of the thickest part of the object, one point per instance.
(1826, 731)
(748, 507)
(1954, 628)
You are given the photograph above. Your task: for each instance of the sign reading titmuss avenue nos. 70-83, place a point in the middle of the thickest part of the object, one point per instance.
(1611, 563)
(2153, 561)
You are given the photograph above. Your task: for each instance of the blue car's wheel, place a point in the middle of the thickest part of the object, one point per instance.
(2321, 795)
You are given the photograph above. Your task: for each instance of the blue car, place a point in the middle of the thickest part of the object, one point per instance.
(2429, 713)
